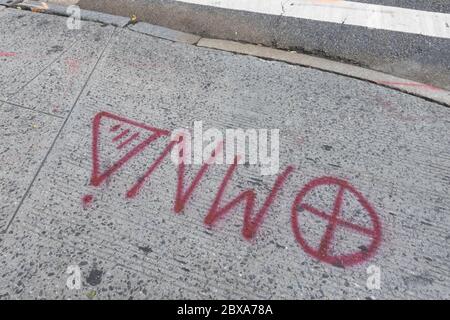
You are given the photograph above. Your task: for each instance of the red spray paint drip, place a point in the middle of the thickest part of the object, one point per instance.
(87, 200)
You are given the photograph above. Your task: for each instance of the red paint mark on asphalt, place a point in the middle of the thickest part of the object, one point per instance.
(8, 54)
(97, 177)
(249, 196)
(133, 192)
(73, 65)
(322, 253)
(87, 200)
(182, 196)
(115, 128)
(397, 114)
(128, 141)
(252, 221)
(121, 135)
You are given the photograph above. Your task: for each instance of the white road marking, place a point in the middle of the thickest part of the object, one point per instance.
(432, 24)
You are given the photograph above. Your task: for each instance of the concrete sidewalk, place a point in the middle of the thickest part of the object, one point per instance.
(65, 93)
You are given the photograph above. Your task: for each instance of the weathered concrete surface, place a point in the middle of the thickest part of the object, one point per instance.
(55, 88)
(26, 136)
(36, 47)
(47, 64)
(62, 7)
(418, 89)
(392, 147)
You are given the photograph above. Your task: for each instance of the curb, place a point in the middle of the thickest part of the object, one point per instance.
(418, 89)
(411, 56)
(60, 10)
(164, 33)
(400, 84)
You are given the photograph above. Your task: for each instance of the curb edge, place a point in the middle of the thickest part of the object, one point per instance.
(421, 90)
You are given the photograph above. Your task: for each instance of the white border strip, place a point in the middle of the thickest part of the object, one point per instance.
(432, 24)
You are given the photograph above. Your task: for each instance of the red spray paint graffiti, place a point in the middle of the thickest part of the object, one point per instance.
(73, 65)
(322, 252)
(127, 131)
(181, 196)
(8, 54)
(249, 196)
(97, 177)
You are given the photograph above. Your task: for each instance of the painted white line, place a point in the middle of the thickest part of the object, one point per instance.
(432, 24)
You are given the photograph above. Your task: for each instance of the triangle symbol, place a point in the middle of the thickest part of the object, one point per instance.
(126, 137)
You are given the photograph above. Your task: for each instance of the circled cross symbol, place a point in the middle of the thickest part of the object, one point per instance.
(335, 220)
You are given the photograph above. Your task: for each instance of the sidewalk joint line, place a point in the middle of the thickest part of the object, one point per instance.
(31, 109)
(45, 68)
(437, 100)
(6, 229)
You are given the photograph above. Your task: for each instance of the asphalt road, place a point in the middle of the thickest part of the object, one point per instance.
(429, 5)
(362, 187)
